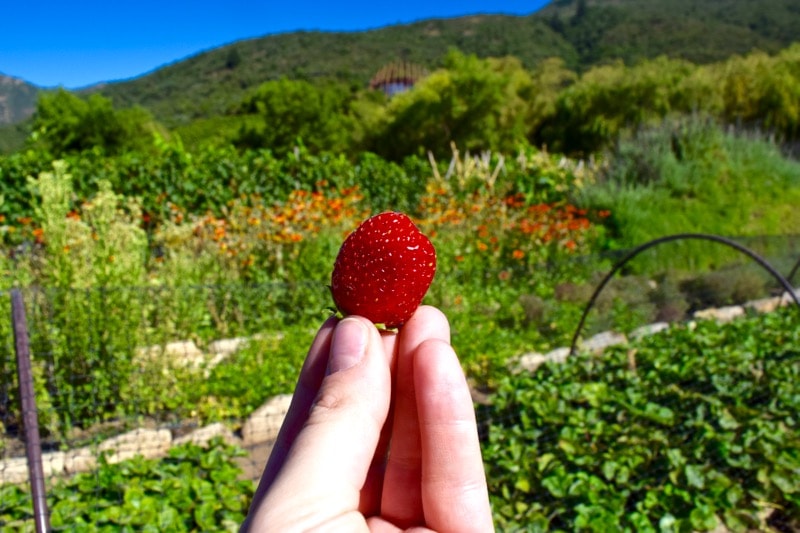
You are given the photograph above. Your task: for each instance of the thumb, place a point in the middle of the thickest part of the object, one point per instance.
(331, 456)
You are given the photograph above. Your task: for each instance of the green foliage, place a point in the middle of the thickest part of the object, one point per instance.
(84, 380)
(592, 112)
(211, 82)
(66, 123)
(632, 30)
(725, 287)
(293, 110)
(480, 104)
(193, 489)
(209, 179)
(764, 91)
(690, 176)
(13, 136)
(266, 366)
(476, 104)
(682, 431)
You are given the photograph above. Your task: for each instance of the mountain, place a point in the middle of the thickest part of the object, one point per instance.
(17, 104)
(701, 31)
(17, 99)
(211, 81)
(582, 32)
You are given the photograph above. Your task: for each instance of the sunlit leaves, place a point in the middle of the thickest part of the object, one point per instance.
(667, 445)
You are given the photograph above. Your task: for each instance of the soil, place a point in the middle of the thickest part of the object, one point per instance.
(253, 463)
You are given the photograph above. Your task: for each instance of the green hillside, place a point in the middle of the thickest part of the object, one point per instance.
(582, 33)
(701, 31)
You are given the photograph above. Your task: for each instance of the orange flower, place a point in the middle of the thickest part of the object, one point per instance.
(518, 254)
(482, 246)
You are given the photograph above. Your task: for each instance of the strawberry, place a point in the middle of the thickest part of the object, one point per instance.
(383, 270)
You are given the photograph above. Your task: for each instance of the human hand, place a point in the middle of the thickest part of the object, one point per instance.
(380, 436)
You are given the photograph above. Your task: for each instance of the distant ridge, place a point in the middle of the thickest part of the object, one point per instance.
(582, 32)
(17, 99)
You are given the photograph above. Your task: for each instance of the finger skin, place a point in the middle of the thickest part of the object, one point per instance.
(454, 492)
(371, 493)
(326, 466)
(308, 383)
(329, 469)
(402, 498)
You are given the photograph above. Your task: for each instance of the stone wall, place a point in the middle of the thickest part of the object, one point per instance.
(264, 423)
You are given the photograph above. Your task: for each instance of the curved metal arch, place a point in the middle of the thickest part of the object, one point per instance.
(679, 236)
(794, 271)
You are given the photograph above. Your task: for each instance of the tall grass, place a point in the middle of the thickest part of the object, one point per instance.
(692, 176)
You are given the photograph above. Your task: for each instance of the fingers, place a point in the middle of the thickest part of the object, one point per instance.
(328, 462)
(402, 499)
(454, 492)
(306, 390)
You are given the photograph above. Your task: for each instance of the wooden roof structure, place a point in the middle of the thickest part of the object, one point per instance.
(397, 77)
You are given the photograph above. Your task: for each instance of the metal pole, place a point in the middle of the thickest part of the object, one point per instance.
(668, 238)
(30, 419)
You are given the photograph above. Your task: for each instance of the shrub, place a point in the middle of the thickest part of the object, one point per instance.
(728, 286)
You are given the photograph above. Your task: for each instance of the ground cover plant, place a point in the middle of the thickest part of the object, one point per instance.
(193, 489)
(682, 431)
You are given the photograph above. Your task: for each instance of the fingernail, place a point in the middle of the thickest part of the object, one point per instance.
(348, 346)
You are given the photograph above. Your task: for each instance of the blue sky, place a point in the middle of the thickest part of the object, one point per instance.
(74, 44)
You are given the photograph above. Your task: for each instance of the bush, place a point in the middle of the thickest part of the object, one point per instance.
(731, 285)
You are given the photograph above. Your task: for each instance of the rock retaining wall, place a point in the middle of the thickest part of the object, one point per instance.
(264, 423)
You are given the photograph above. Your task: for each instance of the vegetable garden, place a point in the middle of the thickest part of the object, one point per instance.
(118, 252)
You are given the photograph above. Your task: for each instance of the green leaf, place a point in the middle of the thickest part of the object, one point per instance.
(523, 484)
(557, 485)
(703, 518)
(785, 481)
(204, 515)
(727, 421)
(667, 523)
(695, 476)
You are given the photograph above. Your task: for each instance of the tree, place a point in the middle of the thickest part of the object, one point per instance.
(65, 123)
(480, 104)
(292, 110)
(234, 59)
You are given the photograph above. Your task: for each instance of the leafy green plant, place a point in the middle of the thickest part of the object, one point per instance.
(193, 489)
(685, 430)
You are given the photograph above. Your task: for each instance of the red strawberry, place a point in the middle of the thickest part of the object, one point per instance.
(383, 270)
